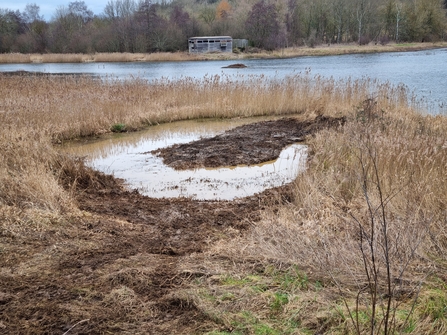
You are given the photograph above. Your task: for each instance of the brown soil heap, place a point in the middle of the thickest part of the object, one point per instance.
(249, 144)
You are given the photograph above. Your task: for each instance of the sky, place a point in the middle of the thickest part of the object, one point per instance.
(48, 8)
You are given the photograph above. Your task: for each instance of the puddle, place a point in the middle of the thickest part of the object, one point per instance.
(126, 156)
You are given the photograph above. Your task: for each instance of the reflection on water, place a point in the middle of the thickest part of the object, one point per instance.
(151, 177)
(126, 156)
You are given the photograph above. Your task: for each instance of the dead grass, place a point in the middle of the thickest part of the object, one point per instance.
(318, 230)
(343, 49)
(74, 106)
(27, 172)
(289, 272)
(321, 50)
(17, 58)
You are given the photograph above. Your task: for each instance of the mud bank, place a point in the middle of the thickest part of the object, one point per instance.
(248, 144)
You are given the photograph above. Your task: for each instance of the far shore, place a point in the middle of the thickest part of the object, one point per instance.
(321, 50)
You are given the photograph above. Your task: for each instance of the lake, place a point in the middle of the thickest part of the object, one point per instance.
(423, 72)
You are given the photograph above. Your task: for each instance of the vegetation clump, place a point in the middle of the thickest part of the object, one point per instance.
(118, 128)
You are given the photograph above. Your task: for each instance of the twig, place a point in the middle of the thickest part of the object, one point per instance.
(77, 323)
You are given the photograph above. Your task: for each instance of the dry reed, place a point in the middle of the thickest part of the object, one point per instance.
(317, 230)
(27, 172)
(17, 58)
(66, 107)
(321, 50)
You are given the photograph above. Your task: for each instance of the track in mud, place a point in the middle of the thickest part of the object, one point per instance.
(130, 245)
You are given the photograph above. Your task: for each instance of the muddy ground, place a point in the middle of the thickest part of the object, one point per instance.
(115, 268)
(245, 145)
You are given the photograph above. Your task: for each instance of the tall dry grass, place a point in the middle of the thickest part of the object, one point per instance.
(28, 169)
(18, 58)
(320, 50)
(320, 230)
(66, 107)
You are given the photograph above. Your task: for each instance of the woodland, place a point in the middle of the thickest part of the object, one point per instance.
(164, 26)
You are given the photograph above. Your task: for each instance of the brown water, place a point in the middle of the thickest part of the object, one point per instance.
(126, 156)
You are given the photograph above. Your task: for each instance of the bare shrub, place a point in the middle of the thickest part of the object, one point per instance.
(364, 40)
(384, 40)
(367, 216)
(388, 245)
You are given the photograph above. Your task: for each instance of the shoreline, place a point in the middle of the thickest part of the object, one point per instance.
(326, 50)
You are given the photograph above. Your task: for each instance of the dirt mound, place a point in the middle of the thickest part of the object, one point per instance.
(235, 66)
(248, 144)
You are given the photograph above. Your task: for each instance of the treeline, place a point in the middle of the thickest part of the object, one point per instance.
(150, 26)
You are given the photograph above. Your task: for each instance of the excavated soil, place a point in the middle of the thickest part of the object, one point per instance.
(116, 267)
(249, 144)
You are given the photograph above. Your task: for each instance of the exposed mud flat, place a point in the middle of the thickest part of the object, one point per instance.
(248, 144)
(235, 66)
(116, 269)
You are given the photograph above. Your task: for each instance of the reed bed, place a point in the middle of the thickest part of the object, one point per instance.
(143, 57)
(321, 50)
(66, 107)
(18, 58)
(13, 58)
(344, 49)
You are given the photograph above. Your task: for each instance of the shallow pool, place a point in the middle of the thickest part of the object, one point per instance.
(128, 156)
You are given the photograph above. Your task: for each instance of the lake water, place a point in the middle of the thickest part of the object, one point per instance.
(423, 72)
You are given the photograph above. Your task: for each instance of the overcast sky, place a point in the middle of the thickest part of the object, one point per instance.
(48, 8)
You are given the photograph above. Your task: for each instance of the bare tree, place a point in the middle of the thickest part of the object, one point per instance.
(31, 13)
(339, 12)
(398, 18)
(262, 25)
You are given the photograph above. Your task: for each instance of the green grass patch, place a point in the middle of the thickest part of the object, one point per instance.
(118, 128)
(291, 279)
(279, 300)
(247, 323)
(409, 324)
(434, 304)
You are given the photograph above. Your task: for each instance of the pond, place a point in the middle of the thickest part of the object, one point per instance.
(129, 157)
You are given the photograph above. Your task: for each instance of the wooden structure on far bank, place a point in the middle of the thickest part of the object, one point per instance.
(210, 44)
